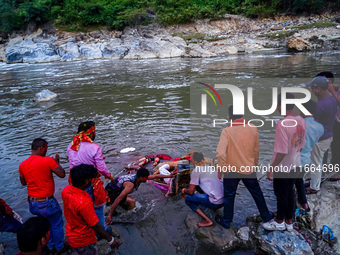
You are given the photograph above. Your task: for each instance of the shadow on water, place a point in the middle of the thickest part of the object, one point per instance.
(143, 104)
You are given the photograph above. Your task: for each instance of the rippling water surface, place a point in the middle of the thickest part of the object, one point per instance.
(143, 104)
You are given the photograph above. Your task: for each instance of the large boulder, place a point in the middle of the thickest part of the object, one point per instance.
(282, 243)
(28, 51)
(196, 51)
(91, 50)
(68, 51)
(299, 44)
(325, 207)
(214, 236)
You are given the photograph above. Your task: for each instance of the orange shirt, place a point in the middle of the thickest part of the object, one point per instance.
(238, 147)
(37, 171)
(80, 216)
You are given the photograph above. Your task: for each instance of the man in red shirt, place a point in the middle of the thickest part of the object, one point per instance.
(33, 236)
(37, 173)
(82, 221)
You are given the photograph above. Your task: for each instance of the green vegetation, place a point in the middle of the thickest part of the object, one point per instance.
(318, 24)
(117, 14)
(280, 34)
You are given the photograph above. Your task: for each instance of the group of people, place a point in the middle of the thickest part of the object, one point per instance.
(299, 148)
(296, 147)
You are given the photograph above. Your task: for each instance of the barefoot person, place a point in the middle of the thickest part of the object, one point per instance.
(82, 221)
(206, 178)
(37, 173)
(122, 186)
(83, 150)
(238, 149)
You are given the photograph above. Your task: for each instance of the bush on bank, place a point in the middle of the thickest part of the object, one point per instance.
(117, 14)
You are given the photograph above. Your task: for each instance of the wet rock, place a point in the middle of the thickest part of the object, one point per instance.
(45, 95)
(28, 51)
(232, 50)
(79, 37)
(325, 206)
(2, 53)
(95, 34)
(91, 50)
(299, 44)
(214, 236)
(196, 51)
(115, 50)
(282, 242)
(68, 51)
(243, 233)
(34, 35)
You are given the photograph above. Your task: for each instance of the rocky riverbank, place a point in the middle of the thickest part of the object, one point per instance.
(205, 38)
(306, 239)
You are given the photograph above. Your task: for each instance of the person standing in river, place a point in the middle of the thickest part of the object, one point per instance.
(37, 173)
(238, 149)
(83, 150)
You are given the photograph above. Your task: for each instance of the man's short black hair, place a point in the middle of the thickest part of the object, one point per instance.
(31, 232)
(197, 156)
(288, 96)
(81, 173)
(231, 110)
(37, 143)
(85, 126)
(328, 75)
(310, 106)
(142, 172)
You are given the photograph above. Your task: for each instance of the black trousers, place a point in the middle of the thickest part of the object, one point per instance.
(285, 195)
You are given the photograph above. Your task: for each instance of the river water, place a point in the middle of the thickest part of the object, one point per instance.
(143, 104)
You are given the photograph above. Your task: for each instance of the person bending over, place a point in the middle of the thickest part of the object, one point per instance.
(120, 188)
(82, 221)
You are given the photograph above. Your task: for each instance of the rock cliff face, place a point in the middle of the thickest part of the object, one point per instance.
(325, 207)
(204, 38)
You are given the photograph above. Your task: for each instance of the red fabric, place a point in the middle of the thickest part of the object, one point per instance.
(4, 208)
(37, 171)
(164, 156)
(99, 192)
(82, 137)
(188, 157)
(80, 217)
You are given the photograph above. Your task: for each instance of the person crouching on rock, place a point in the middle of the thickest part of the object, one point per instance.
(206, 178)
(82, 220)
(122, 186)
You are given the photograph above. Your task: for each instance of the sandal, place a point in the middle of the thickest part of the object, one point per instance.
(310, 191)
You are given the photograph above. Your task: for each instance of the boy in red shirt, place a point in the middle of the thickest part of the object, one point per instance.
(37, 173)
(82, 221)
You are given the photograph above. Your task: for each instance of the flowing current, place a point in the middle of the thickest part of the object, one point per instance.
(143, 104)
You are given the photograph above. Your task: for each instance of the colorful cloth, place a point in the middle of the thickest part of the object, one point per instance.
(80, 216)
(4, 207)
(37, 171)
(82, 136)
(117, 183)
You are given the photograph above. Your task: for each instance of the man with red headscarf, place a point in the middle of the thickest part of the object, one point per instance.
(82, 150)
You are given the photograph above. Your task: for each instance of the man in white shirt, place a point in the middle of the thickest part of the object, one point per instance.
(206, 178)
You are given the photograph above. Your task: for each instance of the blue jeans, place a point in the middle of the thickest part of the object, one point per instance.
(196, 200)
(99, 209)
(9, 224)
(51, 210)
(230, 187)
